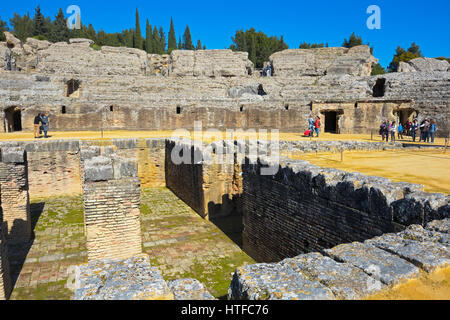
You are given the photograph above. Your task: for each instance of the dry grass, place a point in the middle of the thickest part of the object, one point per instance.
(428, 167)
(433, 286)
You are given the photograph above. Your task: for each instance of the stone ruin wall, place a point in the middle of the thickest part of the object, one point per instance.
(5, 279)
(123, 88)
(213, 190)
(111, 200)
(302, 208)
(305, 208)
(14, 194)
(54, 166)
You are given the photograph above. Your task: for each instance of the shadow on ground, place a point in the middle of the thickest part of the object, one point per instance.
(17, 252)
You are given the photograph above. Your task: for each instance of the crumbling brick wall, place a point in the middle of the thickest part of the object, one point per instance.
(5, 280)
(111, 197)
(14, 196)
(304, 208)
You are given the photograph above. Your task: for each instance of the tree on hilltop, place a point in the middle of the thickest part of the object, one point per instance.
(172, 45)
(402, 55)
(138, 42)
(187, 40)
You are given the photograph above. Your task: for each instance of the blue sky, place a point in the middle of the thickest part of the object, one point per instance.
(402, 22)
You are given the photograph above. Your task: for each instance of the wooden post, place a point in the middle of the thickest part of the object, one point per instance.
(371, 134)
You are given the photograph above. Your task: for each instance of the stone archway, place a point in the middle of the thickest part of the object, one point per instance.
(13, 119)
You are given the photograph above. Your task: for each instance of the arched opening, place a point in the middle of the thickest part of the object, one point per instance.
(286, 106)
(73, 88)
(379, 88)
(111, 108)
(178, 110)
(63, 110)
(405, 115)
(13, 119)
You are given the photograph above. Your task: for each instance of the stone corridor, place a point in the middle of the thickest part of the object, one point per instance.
(178, 241)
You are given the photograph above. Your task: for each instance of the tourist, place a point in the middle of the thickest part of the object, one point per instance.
(426, 129)
(400, 131)
(393, 130)
(408, 125)
(421, 129)
(414, 127)
(382, 131)
(311, 125)
(45, 124)
(37, 120)
(431, 131)
(317, 126)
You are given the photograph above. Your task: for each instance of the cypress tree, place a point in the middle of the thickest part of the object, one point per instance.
(156, 41)
(60, 32)
(180, 44)
(148, 38)
(199, 45)
(172, 45)
(39, 23)
(187, 40)
(162, 38)
(137, 41)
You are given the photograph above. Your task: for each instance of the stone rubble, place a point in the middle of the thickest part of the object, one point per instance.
(132, 279)
(349, 271)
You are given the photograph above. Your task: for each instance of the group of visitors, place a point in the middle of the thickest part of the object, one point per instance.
(41, 123)
(313, 126)
(426, 129)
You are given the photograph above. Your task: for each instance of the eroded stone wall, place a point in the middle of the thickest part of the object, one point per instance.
(111, 199)
(14, 194)
(212, 188)
(5, 279)
(305, 208)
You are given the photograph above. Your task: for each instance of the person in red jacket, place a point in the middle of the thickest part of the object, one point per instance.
(317, 126)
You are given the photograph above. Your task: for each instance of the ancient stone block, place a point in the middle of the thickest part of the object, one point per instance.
(14, 194)
(275, 282)
(5, 279)
(427, 250)
(356, 61)
(189, 289)
(112, 207)
(345, 280)
(380, 264)
(115, 279)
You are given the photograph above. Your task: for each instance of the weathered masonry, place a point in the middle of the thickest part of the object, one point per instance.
(5, 279)
(14, 194)
(111, 198)
(124, 88)
(305, 208)
(211, 188)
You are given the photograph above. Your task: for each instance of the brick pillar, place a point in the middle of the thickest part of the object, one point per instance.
(5, 279)
(14, 196)
(111, 197)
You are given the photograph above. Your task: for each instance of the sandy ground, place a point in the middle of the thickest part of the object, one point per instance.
(428, 167)
(288, 136)
(433, 286)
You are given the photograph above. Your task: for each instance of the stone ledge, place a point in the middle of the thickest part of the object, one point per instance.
(352, 271)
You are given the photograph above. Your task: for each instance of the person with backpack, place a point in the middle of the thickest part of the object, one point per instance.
(432, 130)
(382, 130)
